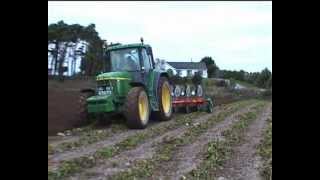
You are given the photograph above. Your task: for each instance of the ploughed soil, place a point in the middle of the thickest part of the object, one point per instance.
(63, 106)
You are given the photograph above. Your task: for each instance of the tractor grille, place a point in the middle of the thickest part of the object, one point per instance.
(105, 87)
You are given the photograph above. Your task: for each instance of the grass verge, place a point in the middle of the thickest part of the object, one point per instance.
(265, 151)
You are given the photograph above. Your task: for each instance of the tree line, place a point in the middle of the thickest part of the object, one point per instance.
(70, 43)
(261, 79)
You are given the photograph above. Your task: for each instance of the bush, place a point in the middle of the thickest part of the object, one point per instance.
(208, 82)
(197, 78)
(267, 93)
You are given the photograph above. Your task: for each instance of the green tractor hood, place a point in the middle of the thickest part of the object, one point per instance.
(120, 87)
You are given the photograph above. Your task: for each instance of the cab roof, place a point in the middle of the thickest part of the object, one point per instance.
(124, 46)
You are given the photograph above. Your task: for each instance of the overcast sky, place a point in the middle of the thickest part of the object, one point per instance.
(237, 35)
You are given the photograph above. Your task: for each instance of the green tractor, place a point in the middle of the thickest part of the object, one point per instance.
(131, 85)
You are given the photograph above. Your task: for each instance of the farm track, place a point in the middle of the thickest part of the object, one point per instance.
(184, 158)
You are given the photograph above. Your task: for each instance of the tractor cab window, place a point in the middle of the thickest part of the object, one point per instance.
(125, 60)
(146, 60)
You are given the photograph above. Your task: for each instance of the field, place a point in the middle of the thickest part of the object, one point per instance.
(233, 142)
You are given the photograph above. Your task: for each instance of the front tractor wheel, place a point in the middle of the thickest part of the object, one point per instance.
(165, 100)
(137, 110)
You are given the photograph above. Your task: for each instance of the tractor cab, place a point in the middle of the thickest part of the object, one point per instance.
(131, 57)
(136, 59)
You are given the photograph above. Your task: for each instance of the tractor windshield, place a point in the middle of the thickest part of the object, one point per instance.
(125, 60)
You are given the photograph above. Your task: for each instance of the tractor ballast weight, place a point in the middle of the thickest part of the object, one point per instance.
(131, 85)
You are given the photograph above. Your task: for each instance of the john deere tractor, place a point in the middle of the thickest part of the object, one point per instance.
(131, 85)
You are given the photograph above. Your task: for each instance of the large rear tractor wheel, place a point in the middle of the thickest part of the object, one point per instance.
(136, 108)
(165, 100)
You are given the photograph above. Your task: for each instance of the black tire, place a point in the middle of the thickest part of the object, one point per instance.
(131, 109)
(161, 114)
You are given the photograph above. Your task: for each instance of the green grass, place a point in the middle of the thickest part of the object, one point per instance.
(265, 151)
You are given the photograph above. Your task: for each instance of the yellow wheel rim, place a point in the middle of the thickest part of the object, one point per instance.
(166, 98)
(143, 107)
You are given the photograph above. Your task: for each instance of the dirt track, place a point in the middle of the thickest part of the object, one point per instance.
(183, 158)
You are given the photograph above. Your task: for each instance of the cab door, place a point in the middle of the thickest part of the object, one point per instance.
(146, 67)
(148, 76)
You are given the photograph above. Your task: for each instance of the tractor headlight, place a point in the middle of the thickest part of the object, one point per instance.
(182, 93)
(193, 93)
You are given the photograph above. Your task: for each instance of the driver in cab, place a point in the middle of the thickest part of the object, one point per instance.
(131, 63)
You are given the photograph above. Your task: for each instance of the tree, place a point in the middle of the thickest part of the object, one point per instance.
(263, 78)
(269, 83)
(66, 38)
(211, 66)
(197, 78)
